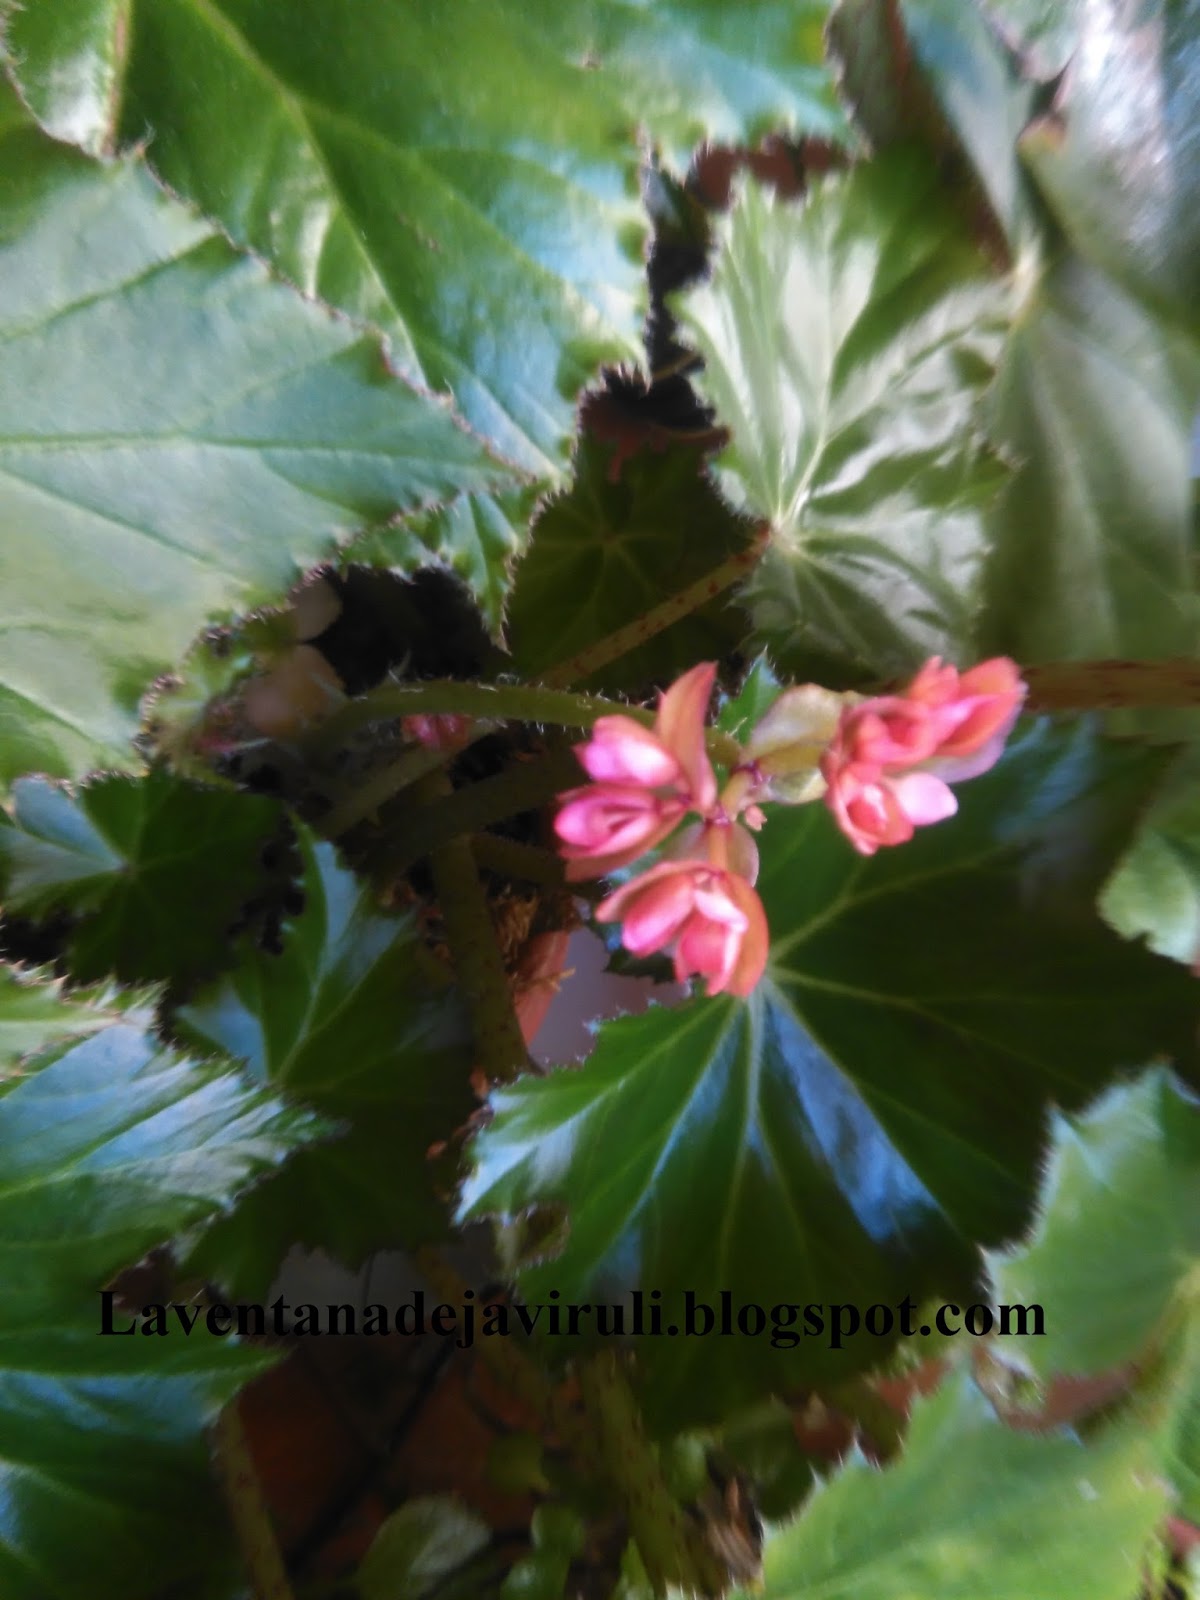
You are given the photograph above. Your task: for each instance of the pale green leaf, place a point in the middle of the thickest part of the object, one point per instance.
(972, 1508)
(847, 343)
(468, 185)
(179, 438)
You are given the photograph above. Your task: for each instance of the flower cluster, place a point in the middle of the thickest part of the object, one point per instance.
(883, 766)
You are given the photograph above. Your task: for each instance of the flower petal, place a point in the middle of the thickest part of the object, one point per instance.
(622, 751)
(680, 726)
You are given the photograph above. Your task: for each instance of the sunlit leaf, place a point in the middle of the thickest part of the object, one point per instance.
(179, 438)
(847, 343)
(470, 188)
(971, 1502)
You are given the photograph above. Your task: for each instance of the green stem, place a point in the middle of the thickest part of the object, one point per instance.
(525, 786)
(672, 1550)
(500, 1049)
(659, 617)
(506, 702)
(248, 1510)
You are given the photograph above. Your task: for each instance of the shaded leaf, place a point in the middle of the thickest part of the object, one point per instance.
(179, 438)
(475, 198)
(1093, 533)
(354, 1019)
(968, 1503)
(418, 1547)
(615, 547)
(478, 536)
(846, 344)
(879, 1101)
(937, 71)
(158, 867)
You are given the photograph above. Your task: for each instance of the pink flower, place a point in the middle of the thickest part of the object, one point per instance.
(603, 826)
(713, 918)
(888, 766)
(873, 809)
(671, 755)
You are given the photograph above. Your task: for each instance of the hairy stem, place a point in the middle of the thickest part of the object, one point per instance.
(525, 786)
(659, 617)
(1112, 685)
(499, 1043)
(672, 1550)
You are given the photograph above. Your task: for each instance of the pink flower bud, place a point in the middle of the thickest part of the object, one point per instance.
(436, 731)
(606, 825)
(713, 918)
(975, 710)
(622, 751)
(872, 808)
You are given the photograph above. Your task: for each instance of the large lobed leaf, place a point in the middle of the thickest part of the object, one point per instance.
(619, 544)
(972, 1508)
(110, 1143)
(878, 1103)
(157, 868)
(353, 1017)
(468, 185)
(179, 437)
(847, 343)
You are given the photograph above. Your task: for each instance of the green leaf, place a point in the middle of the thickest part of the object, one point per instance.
(615, 547)
(1093, 533)
(418, 1547)
(1115, 1249)
(109, 1491)
(1116, 158)
(478, 536)
(112, 1147)
(1155, 891)
(179, 438)
(974, 1508)
(158, 867)
(879, 1101)
(846, 344)
(354, 1019)
(1043, 32)
(935, 70)
(34, 1012)
(1114, 1258)
(470, 189)
(108, 1145)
